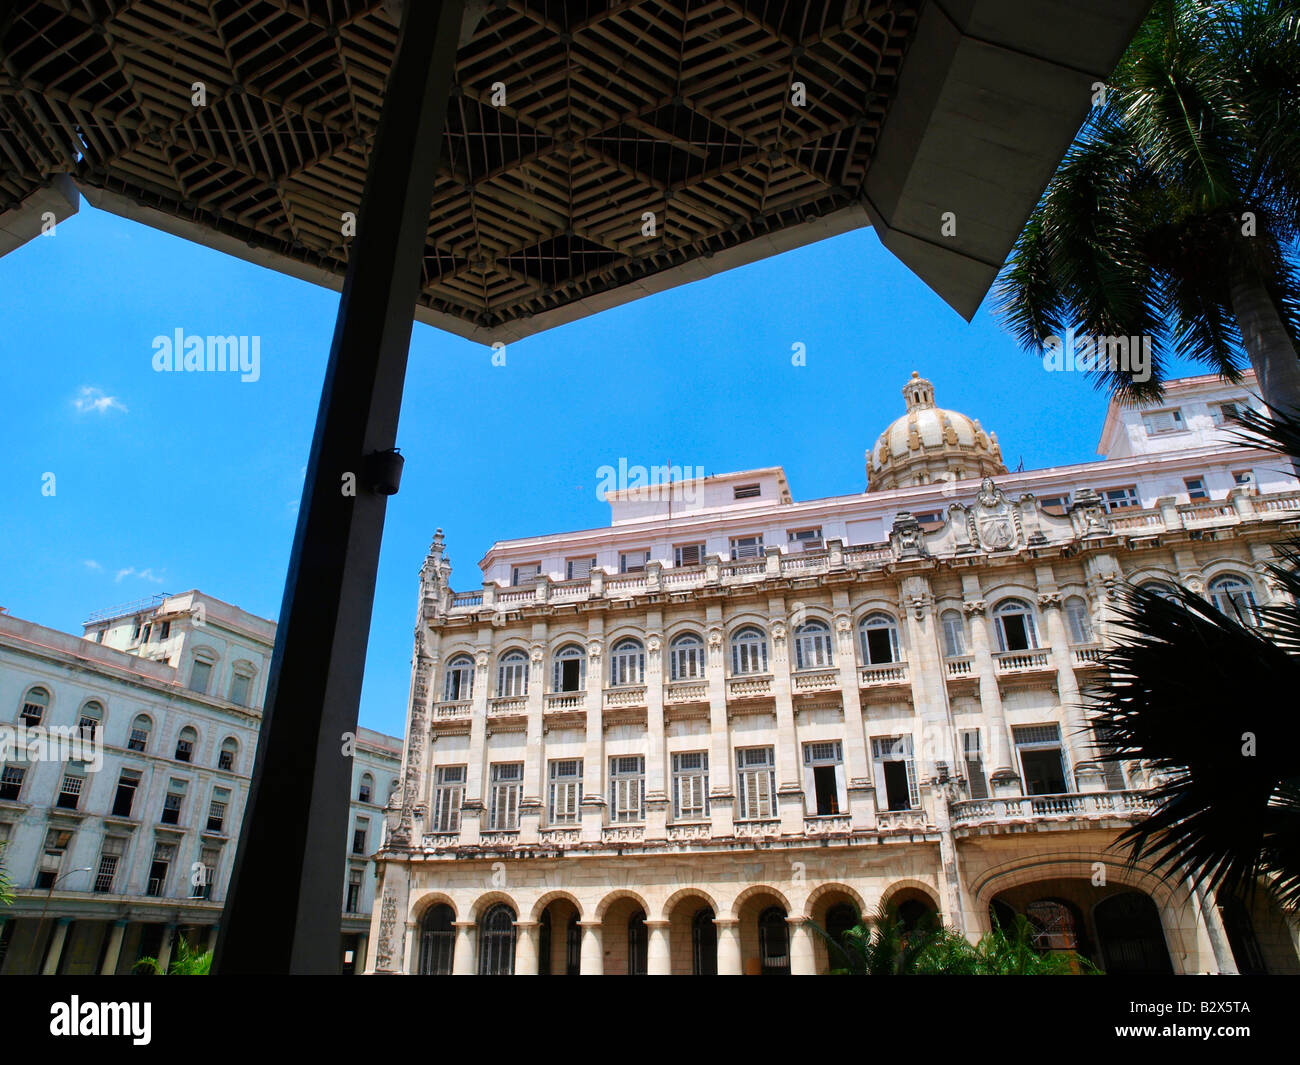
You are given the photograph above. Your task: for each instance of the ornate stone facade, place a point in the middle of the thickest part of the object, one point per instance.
(674, 767)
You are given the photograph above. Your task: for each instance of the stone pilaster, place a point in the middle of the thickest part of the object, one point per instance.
(593, 766)
(789, 779)
(656, 783)
(722, 789)
(859, 781)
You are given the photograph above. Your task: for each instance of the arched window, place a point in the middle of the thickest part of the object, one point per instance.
(1160, 588)
(366, 789)
(569, 671)
(185, 744)
(459, 684)
(749, 651)
(704, 944)
(140, 729)
(812, 646)
(627, 663)
(229, 752)
(437, 941)
(878, 637)
(954, 634)
(1234, 597)
(91, 719)
(512, 674)
(637, 945)
(1080, 623)
(774, 942)
(201, 671)
(839, 919)
(34, 705)
(1015, 624)
(496, 939)
(686, 657)
(1054, 923)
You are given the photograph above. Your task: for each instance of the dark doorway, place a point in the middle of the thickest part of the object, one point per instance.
(437, 941)
(570, 675)
(704, 944)
(773, 942)
(1241, 938)
(573, 948)
(1131, 939)
(828, 792)
(544, 944)
(915, 913)
(496, 952)
(896, 789)
(1044, 773)
(637, 944)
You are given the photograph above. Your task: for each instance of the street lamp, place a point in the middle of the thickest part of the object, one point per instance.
(40, 925)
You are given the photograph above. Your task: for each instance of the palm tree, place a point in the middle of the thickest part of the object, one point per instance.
(188, 962)
(6, 887)
(879, 945)
(1207, 699)
(1175, 213)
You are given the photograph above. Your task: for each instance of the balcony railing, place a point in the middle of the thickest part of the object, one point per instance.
(445, 711)
(894, 820)
(508, 705)
(633, 695)
(1088, 655)
(749, 687)
(823, 825)
(962, 666)
(559, 837)
(686, 691)
(887, 673)
(817, 680)
(1029, 661)
(758, 829)
(690, 830)
(557, 702)
(1037, 807)
(622, 834)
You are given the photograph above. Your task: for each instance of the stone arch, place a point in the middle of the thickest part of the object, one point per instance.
(759, 889)
(620, 893)
(489, 899)
(678, 897)
(539, 907)
(898, 887)
(834, 886)
(428, 901)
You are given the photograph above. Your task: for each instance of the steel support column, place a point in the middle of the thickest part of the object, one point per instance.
(286, 890)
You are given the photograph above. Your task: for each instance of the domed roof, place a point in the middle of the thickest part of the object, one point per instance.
(929, 444)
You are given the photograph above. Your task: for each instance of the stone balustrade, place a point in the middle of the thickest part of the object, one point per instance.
(888, 673)
(1029, 661)
(1129, 804)
(899, 820)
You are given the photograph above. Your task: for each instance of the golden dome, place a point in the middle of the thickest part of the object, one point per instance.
(929, 444)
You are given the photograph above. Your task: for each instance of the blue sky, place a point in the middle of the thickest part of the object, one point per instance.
(165, 482)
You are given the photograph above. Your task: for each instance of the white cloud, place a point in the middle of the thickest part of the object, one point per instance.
(90, 563)
(92, 399)
(142, 574)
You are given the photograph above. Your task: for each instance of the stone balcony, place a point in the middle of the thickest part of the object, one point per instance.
(452, 711)
(901, 820)
(977, 813)
(750, 687)
(1029, 662)
(887, 675)
(686, 691)
(815, 680)
(564, 702)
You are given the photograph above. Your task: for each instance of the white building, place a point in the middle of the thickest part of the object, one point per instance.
(114, 856)
(669, 744)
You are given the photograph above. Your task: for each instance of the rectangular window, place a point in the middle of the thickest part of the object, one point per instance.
(633, 561)
(895, 772)
(746, 547)
(70, 790)
(137, 739)
(448, 792)
(57, 841)
(579, 568)
(507, 786)
(954, 635)
(172, 803)
(127, 782)
(165, 630)
(565, 792)
(688, 555)
(184, 750)
(1226, 413)
(746, 491)
(974, 758)
(806, 539)
(217, 809)
(1042, 759)
(626, 788)
(823, 770)
(929, 520)
(756, 783)
(163, 853)
(11, 782)
(200, 675)
(239, 687)
(691, 786)
(1196, 489)
(1162, 421)
(201, 884)
(1119, 498)
(359, 834)
(526, 575)
(226, 760)
(110, 856)
(1057, 505)
(355, 879)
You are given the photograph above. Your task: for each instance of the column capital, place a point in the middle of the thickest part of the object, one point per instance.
(652, 925)
(591, 924)
(528, 926)
(726, 922)
(461, 926)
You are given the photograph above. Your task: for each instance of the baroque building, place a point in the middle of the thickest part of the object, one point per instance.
(119, 843)
(669, 745)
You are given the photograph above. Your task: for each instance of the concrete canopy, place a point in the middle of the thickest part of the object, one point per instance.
(570, 121)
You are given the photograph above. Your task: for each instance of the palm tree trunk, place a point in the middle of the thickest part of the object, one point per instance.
(1268, 345)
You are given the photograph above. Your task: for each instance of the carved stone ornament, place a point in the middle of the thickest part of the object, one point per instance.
(974, 608)
(653, 644)
(481, 659)
(715, 639)
(537, 653)
(993, 518)
(843, 624)
(594, 650)
(778, 631)
(1049, 599)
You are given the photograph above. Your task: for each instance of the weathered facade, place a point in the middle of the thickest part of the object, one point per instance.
(668, 745)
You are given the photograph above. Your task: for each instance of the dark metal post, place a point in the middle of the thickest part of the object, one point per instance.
(286, 889)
